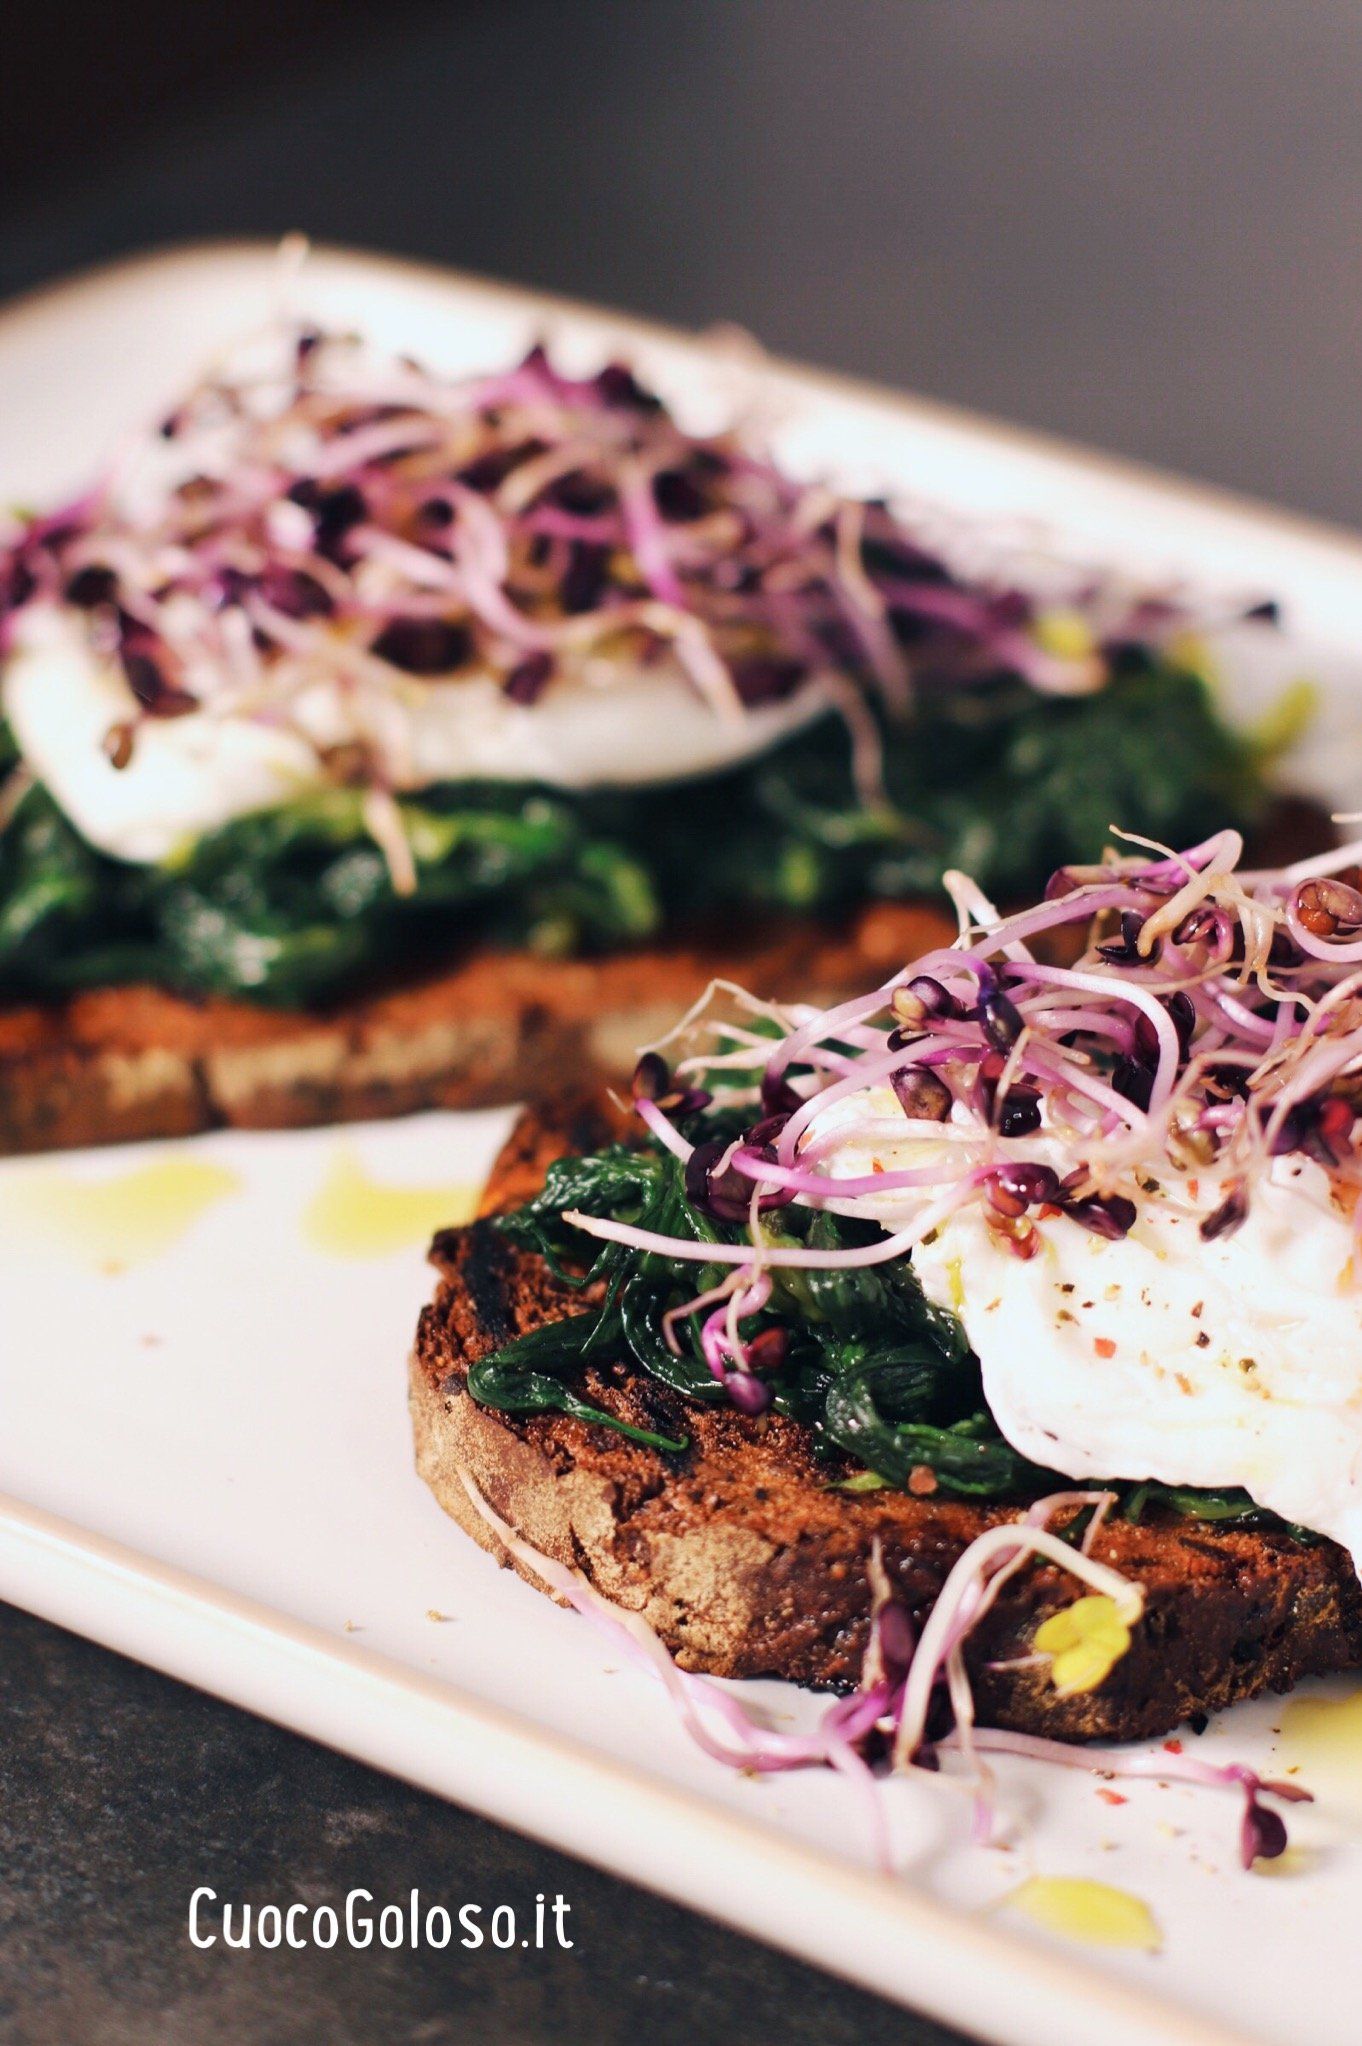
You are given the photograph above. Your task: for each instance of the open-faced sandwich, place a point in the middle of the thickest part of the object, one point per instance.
(989, 1342)
(352, 707)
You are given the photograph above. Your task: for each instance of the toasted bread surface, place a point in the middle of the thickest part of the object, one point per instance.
(116, 1064)
(121, 1063)
(748, 1563)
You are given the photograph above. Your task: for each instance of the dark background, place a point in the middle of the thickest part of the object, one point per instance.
(1133, 221)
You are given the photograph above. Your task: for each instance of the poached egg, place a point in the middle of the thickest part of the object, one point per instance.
(599, 724)
(1234, 1362)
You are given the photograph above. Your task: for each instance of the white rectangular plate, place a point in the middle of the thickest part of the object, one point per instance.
(204, 1444)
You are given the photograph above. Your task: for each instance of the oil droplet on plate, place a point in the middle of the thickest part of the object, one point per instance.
(1095, 1913)
(1297, 1861)
(121, 1219)
(1323, 1737)
(354, 1215)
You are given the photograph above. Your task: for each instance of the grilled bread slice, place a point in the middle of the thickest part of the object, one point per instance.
(116, 1064)
(748, 1564)
(121, 1063)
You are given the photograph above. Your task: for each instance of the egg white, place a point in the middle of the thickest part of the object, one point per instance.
(1233, 1362)
(602, 726)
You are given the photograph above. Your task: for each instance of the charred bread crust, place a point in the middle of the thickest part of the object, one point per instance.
(747, 1564)
(116, 1064)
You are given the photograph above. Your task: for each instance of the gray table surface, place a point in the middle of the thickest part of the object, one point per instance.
(1133, 224)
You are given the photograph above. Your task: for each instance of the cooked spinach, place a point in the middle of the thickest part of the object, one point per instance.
(529, 1377)
(877, 1373)
(290, 905)
(293, 906)
(1232, 1506)
(872, 1368)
